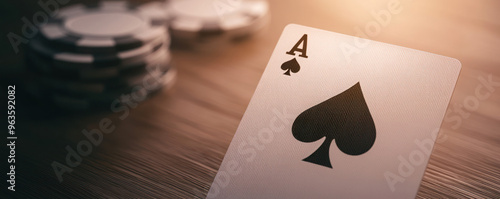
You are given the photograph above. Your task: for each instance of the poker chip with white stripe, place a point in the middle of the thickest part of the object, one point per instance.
(110, 26)
(126, 80)
(75, 61)
(44, 66)
(198, 20)
(83, 102)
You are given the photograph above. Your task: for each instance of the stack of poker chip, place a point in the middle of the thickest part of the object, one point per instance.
(100, 55)
(213, 23)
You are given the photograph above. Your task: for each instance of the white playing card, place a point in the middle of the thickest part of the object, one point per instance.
(379, 147)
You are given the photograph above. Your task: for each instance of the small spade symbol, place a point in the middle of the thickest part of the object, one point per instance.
(291, 65)
(345, 118)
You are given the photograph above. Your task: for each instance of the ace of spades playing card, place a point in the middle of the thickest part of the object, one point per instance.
(327, 121)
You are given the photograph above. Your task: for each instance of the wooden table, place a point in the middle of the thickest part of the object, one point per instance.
(172, 144)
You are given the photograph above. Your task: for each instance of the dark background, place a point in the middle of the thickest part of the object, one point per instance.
(172, 144)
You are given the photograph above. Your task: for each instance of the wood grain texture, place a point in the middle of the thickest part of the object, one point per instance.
(170, 146)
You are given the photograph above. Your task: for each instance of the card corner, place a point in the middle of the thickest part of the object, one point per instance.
(291, 25)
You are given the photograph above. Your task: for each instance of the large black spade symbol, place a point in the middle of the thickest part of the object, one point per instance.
(290, 65)
(345, 118)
